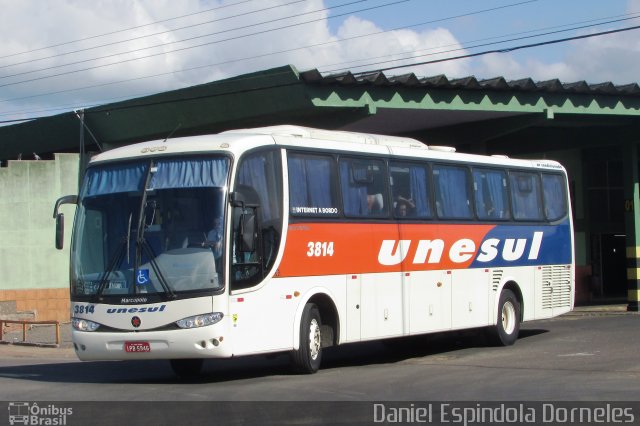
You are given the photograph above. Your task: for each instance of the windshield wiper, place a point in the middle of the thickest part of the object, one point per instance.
(141, 241)
(115, 261)
(129, 237)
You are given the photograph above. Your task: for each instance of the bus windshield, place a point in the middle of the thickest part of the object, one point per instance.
(150, 227)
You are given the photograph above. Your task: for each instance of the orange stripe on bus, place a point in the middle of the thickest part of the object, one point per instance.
(347, 248)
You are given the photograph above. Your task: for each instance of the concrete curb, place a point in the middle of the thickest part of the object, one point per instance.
(37, 345)
(601, 310)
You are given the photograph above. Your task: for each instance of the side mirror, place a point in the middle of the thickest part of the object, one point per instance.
(60, 231)
(59, 217)
(245, 202)
(248, 235)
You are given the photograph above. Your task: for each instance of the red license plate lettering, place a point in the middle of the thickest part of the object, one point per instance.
(137, 347)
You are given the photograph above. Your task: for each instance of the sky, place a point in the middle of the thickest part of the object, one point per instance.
(61, 55)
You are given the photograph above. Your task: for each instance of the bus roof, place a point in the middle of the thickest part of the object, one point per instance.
(235, 142)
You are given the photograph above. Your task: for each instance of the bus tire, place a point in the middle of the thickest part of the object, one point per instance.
(505, 332)
(187, 368)
(307, 358)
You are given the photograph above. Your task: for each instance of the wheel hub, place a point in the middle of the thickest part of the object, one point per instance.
(314, 339)
(508, 315)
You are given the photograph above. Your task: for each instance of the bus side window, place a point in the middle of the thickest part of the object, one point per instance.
(362, 182)
(525, 196)
(452, 192)
(410, 188)
(259, 182)
(490, 187)
(311, 185)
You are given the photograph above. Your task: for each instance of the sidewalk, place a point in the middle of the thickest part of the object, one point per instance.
(601, 310)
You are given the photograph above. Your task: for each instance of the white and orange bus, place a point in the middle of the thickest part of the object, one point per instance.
(292, 239)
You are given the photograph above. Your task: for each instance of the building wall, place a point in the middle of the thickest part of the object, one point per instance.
(32, 272)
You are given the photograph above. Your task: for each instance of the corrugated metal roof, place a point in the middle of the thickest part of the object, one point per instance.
(284, 95)
(471, 83)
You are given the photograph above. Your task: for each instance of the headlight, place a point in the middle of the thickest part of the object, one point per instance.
(200, 320)
(84, 325)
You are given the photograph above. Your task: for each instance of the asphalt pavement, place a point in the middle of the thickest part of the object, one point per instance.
(40, 340)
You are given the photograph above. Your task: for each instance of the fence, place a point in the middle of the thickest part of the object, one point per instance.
(24, 327)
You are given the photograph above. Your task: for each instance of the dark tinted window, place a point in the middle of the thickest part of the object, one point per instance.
(452, 192)
(555, 197)
(490, 190)
(410, 189)
(525, 196)
(362, 182)
(259, 182)
(311, 190)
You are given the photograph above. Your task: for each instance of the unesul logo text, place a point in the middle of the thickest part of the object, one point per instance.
(136, 310)
(394, 252)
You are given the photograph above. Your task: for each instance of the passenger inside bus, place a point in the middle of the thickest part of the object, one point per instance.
(405, 207)
(375, 203)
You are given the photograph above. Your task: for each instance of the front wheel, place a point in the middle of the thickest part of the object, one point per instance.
(187, 368)
(506, 330)
(307, 358)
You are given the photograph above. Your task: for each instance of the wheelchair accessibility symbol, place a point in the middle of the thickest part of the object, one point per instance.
(143, 277)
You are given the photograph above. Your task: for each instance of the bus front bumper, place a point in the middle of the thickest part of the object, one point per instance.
(203, 342)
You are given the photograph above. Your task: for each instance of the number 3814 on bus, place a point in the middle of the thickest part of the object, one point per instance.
(320, 248)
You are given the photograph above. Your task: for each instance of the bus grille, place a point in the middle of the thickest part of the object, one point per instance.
(556, 286)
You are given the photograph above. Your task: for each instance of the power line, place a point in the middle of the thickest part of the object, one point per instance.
(69, 107)
(464, 44)
(206, 35)
(242, 91)
(477, 12)
(636, 16)
(183, 48)
(283, 51)
(505, 50)
(632, 16)
(150, 35)
(125, 29)
(448, 59)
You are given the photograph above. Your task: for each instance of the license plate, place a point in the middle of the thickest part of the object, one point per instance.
(137, 347)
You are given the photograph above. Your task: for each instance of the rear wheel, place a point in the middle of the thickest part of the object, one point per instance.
(506, 330)
(187, 368)
(307, 358)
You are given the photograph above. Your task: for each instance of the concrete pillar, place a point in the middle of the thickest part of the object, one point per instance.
(632, 224)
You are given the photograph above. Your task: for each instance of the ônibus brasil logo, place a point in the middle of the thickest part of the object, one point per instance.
(31, 413)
